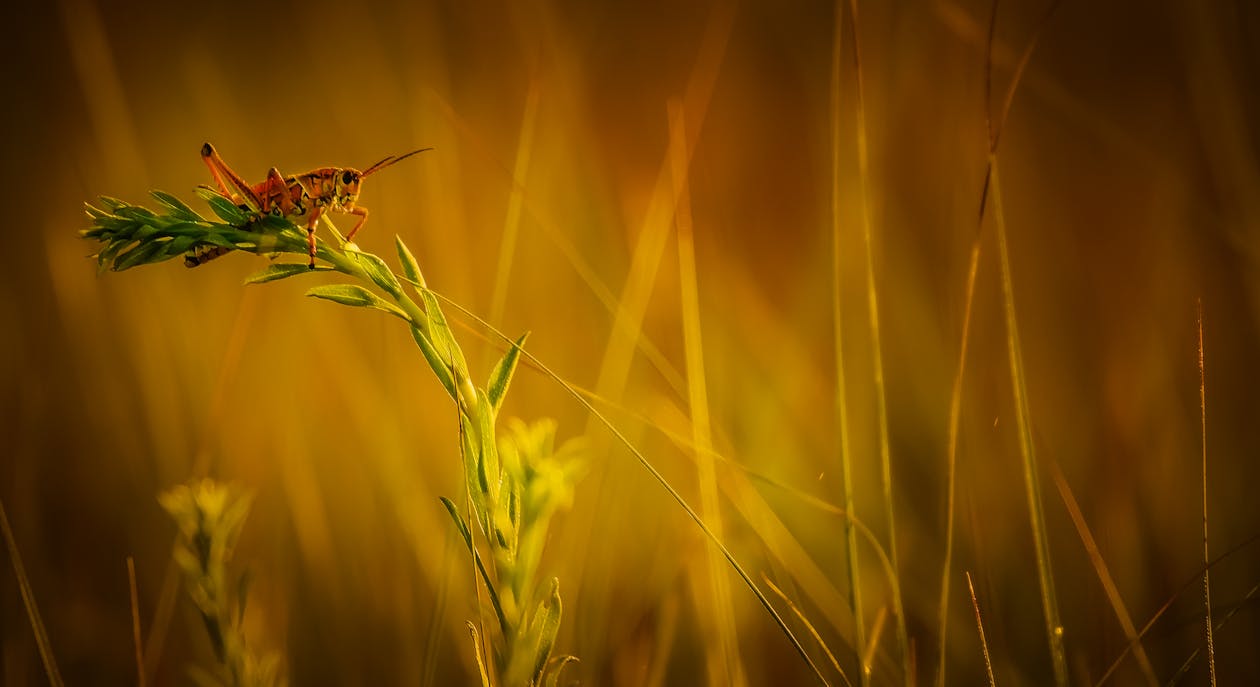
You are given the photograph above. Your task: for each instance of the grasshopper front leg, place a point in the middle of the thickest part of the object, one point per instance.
(362, 214)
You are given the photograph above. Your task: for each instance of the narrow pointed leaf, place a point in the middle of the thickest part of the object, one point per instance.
(379, 272)
(546, 625)
(411, 269)
(436, 362)
(223, 207)
(442, 337)
(177, 207)
(139, 255)
(357, 296)
(481, 663)
(489, 458)
(501, 375)
(481, 568)
(459, 521)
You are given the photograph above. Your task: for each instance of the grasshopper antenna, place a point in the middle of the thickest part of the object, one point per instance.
(389, 160)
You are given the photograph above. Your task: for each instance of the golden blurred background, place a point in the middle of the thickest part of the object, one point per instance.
(1131, 189)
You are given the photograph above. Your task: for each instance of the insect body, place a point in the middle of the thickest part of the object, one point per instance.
(302, 197)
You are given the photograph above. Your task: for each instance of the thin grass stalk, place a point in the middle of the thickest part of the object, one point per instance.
(1100, 568)
(993, 129)
(984, 645)
(877, 631)
(1207, 587)
(134, 593)
(28, 601)
(1023, 418)
(841, 406)
(872, 298)
(698, 400)
(955, 414)
(1233, 610)
(809, 627)
(1169, 602)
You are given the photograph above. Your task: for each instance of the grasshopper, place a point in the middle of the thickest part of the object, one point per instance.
(299, 197)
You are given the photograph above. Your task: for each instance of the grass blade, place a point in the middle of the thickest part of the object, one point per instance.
(1023, 417)
(808, 627)
(1104, 576)
(698, 402)
(837, 319)
(28, 600)
(501, 375)
(984, 645)
(877, 362)
(135, 621)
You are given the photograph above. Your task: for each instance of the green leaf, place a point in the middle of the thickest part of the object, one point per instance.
(357, 296)
(546, 624)
(176, 206)
(275, 223)
(459, 521)
(283, 271)
(481, 568)
(141, 254)
(440, 332)
(178, 245)
(107, 254)
(410, 267)
(477, 649)
(501, 375)
(533, 649)
(113, 203)
(436, 362)
(488, 459)
(117, 225)
(474, 479)
(223, 207)
(186, 229)
(379, 272)
(135, 212)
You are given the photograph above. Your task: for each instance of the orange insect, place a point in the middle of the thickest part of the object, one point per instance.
(303, 196)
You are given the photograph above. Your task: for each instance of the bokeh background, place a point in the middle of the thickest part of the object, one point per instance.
(1131, 189)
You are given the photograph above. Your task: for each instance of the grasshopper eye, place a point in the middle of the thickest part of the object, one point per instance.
(347, 177)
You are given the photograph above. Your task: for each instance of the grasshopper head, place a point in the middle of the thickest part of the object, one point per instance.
(346, 186)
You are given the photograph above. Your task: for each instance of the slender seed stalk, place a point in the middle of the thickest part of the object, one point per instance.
(837, 320)
(1207, 587)
(1032, 480)
(877, 363)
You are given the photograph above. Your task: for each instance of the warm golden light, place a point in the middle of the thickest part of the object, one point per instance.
(766, 267)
